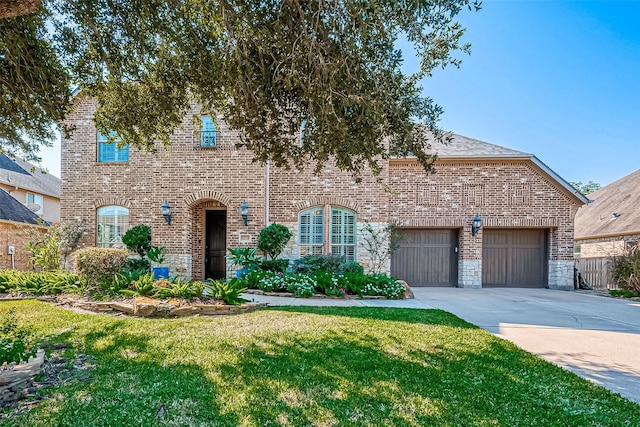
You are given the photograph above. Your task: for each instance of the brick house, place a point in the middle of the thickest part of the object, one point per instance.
(32, 187)
(610, 224)
(527, 211)
(15, 218)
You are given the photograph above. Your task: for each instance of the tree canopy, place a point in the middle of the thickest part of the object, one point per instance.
(586, 187)
(272, 69)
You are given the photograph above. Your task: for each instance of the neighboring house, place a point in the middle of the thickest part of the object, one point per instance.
(527, 211)
(32, 187)
(611, 223)
(14, 219)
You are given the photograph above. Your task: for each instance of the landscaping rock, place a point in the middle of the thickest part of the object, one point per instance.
(408, 293)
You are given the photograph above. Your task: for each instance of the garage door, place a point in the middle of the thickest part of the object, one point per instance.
(427, 258)
(514, 258)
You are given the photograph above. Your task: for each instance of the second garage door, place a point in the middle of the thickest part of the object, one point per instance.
(514, 258)
(427, 257)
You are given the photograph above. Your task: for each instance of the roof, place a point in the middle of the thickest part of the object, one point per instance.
(614, 210)
(462, 147)
(22, 174)
(13, 210)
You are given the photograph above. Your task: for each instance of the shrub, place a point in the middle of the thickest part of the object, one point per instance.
(253, 278)
(274, 265)
(301, 285)
(45, 255)
(138, 239)
(141, 287)
(624, 293)
(625, 270)
(16, 343)
(381, 284)
(274, 282)
(312, 263)
(273, 239)
(41, 283)
(228, 292)
(98, 264)
(179, 288)
(136, 266)
(328, 283)
(244, 258)
(350, 267)
(381, 243)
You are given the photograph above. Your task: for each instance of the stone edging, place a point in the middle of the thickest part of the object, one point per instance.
(14, 382)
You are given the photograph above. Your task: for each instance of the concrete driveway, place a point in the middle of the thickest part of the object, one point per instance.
(596, 337)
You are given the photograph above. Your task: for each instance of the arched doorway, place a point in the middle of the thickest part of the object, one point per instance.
(215, 266)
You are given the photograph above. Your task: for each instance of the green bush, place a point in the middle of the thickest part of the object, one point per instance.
(179, 288)
(253, 278)
(624, 293)
(244, 258)
(98, 264)
(381, 284)
(328, 283)
(138, 239)
(41, 283)
(273, 239)
(301, 285)
(625, 270)
(350, 267)
(274, 265)
(16, 343)
(141, 287)
(228, 292)
(312, 263)
(274, 282)
(45, 255)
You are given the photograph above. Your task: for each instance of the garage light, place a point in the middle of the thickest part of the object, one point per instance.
(476, 225)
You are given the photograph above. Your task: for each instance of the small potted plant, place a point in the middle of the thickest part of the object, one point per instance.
(156, 255)
(246, 259)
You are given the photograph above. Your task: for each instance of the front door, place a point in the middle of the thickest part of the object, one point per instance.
(216, 245)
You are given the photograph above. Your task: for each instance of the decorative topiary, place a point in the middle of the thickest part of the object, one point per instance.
(273, 239)
(138, 239)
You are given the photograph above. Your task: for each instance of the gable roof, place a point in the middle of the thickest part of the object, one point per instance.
(13, 210)
(18, 173)
(614, 210)
(462, 147)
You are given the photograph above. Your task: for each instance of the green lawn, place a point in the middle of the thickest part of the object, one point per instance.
(310, 367)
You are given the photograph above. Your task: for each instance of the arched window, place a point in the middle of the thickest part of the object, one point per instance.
(113, 222)
(341, 224)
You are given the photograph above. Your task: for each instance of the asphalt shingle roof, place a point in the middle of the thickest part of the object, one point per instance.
(614, 210)
(19, 173)
(462, 146)
(13, 210)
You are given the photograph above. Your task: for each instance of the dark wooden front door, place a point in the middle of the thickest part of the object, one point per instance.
(216, 245)
(514, 258)
(427, 257)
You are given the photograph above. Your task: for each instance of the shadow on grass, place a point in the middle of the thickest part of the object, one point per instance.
(426, 367)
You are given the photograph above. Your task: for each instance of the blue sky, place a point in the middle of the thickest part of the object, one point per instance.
(560, 79)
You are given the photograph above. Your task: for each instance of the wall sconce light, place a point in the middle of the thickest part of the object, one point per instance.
(244, 212)
(476, 225)
(165, 209)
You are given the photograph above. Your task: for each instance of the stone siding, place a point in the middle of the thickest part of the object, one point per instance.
(561, 275)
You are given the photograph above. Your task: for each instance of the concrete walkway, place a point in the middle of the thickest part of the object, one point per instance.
(596, 337)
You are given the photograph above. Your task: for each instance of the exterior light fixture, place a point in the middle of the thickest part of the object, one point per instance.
(244, 212)
(476, 225)
(165, 209)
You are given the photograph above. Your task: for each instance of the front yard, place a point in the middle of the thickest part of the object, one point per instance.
(307, 366)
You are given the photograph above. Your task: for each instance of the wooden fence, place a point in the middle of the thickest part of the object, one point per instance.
(596, 272)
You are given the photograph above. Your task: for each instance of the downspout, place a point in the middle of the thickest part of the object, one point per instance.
(266, 193)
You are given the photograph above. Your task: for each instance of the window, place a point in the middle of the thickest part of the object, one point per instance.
(113, 222)
(311, 231)
(208, 132)
(37, 200)
(342, 232)
(109, 152)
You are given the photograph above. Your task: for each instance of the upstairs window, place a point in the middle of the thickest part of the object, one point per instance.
(113, 222)
(35, 199)
(109, 152)
(208, 133)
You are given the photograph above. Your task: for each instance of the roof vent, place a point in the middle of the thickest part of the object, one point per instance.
(615, 215)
